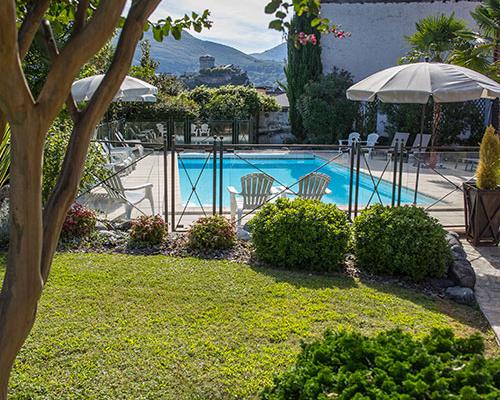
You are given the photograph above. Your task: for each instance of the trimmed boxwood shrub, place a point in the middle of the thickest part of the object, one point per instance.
(301, 234)
(148, 230)
(392, 365)
(211, 233)
(401, 241)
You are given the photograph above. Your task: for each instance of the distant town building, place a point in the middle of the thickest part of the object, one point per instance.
(214, 76)
(378, 30)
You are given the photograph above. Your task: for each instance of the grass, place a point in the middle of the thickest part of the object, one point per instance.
(130, 327)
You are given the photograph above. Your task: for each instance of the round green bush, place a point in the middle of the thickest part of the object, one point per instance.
(400, 241)
(392, 365)
(211, 233)
(301, 234)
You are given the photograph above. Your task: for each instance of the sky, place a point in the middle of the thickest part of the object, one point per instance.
(238, 23)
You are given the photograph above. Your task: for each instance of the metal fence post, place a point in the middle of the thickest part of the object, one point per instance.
(214, 178)
(165, 176)
(401, 160)
(351, 178)
(395, 173)
(172, 183)
(221, 174)
(356, 190)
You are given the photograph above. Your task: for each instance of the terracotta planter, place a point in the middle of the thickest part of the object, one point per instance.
(482, 215)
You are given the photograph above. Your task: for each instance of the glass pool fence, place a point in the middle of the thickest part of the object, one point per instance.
(184, 182)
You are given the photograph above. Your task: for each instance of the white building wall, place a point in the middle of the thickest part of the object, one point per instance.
(378, 32)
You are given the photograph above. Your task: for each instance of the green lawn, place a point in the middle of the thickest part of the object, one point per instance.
(130, 327)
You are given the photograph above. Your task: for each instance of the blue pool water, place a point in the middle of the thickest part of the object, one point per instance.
(285, 171)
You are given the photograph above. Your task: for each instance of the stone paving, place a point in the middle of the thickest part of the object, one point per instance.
(486, 264)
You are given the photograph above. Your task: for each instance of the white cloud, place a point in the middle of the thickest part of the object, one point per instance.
(240, 24)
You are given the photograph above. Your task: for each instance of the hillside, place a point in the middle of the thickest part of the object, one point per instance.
(178, 57)
(278, 53)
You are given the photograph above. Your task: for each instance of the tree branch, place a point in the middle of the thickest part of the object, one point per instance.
(79, 48)
(30, 24)
(53, 53)
(81, 15)
(15, 97)
(68, 182)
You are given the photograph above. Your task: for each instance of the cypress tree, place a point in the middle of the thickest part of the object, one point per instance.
(304, 65)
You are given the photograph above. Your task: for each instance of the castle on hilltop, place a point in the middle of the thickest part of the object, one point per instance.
(214, 76)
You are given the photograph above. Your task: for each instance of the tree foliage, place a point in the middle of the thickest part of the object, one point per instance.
(488, 170)
(303, 66)
(326, 113)
(231, 102)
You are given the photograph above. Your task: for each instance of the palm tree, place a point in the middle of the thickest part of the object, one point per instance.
(435, 38)
(487, 17)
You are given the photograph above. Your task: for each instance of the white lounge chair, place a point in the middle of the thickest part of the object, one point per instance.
(137, 149)
(256, 189)
(312, 186)
(421, 143)
(118, 161)
(129, 196)
(399, 139)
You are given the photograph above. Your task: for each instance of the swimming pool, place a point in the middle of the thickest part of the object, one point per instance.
(286, 171)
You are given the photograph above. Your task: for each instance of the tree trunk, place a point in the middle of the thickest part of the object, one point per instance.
(22, 283)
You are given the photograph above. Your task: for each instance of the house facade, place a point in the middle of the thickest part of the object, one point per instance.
(378, 29)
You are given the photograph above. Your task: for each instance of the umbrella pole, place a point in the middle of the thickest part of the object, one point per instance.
(422, 124)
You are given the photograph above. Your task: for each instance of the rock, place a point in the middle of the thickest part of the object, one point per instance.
(100, 226)
(124, 226)
(458, 252)
(442, 283)
(462, 273)
(452, 240)
(243, 234)
(454, 234)
(461, 295)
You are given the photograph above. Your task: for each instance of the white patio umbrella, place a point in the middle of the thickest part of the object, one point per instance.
(418, 82)
(131, 89)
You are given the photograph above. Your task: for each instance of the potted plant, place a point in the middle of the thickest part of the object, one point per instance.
(482, 196)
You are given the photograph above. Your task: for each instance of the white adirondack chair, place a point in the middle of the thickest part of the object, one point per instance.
(256, 189)
(312, 186)
(137, 147)
(129, 196)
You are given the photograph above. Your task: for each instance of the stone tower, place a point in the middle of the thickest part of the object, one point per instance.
(207, 62)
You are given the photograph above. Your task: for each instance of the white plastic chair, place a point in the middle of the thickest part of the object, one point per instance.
(352, 138)
(256, 189)
(129, 196)
(399, 139)
(371, 142)
(205, 130)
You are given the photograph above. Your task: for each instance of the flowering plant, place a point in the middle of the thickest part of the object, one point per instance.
(80, 222)
(148, 230)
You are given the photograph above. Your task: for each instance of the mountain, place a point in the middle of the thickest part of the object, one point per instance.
(181, 56)
(278, 53)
